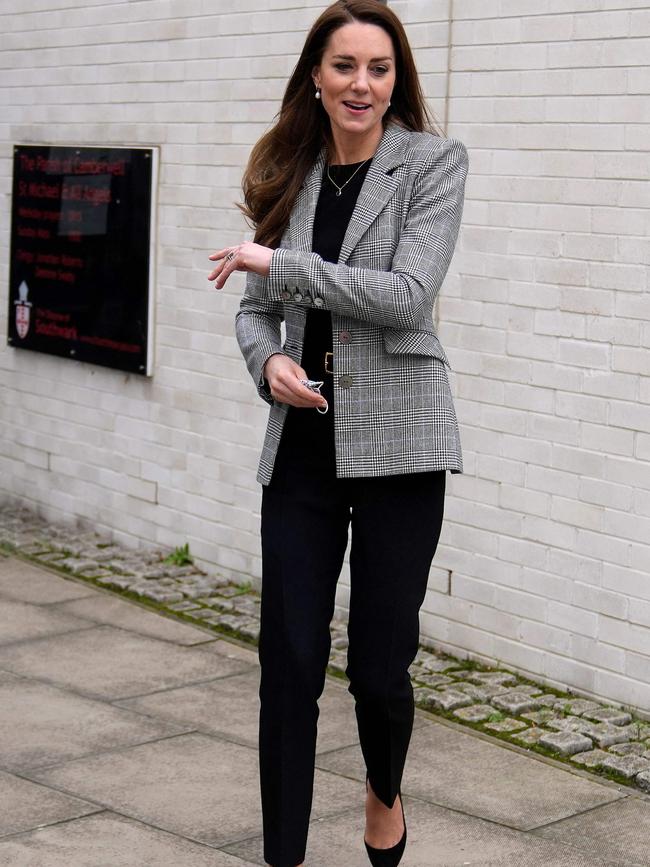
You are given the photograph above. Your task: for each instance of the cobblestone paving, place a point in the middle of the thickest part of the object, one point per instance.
(605, 740)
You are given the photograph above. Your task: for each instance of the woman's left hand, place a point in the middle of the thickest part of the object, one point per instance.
(243, 257)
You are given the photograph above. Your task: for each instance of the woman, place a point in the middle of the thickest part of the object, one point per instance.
(356, 209)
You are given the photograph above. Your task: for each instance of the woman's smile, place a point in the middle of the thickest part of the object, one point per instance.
(357, 107)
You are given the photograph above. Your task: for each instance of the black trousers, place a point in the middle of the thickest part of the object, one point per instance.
(306, 514)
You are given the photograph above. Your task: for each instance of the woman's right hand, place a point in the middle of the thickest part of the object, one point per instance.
(283, 376)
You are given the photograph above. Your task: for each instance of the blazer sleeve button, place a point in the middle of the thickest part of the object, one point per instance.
(345, 381)
(318, 301)
(297, 297)
(345, 337)
(286, 296)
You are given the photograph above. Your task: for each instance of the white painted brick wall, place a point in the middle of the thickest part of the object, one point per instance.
(552, 98)
(545, 553)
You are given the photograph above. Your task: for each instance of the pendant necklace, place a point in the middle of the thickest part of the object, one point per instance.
(339, 189)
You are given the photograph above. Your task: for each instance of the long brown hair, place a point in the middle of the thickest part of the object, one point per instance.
(280, 160)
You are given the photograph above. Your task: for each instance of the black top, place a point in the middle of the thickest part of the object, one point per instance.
(307, 440)
(331, 220)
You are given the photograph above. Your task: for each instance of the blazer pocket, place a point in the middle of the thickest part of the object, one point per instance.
(397, 341)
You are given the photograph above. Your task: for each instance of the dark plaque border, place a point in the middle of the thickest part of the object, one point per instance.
(81, 258)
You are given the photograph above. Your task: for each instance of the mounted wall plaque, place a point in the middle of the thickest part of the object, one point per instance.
(82, 257)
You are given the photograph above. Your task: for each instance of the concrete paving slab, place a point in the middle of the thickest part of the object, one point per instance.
(230, 707)
(107, 839)
(105, 662)
(619, 830)
(437, 837)
(24, 805)
(23, 620)
(45, 725)
(113, 611)
(23, 582)
(193, 785)
(457, 770)
(231, 649)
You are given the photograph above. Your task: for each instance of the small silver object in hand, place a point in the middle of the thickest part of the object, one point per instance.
(315, 385)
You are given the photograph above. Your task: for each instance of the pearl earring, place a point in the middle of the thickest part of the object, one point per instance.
(317, 94)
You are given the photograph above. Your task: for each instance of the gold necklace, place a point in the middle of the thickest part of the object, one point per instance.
(339, 190)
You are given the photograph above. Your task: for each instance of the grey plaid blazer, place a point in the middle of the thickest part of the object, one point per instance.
(393, 407)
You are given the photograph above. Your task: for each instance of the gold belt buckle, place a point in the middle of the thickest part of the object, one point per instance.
(328, 357)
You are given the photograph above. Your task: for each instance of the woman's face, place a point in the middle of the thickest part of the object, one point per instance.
(357, 77)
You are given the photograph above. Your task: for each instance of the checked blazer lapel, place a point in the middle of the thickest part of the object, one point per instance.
(301, 223)
(378, 187)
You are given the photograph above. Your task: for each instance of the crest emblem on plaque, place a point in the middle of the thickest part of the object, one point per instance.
(23, 307)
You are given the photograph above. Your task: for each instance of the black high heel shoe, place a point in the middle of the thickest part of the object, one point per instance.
(387, 857)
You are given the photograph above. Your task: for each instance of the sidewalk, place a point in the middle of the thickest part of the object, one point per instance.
(129, 740)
